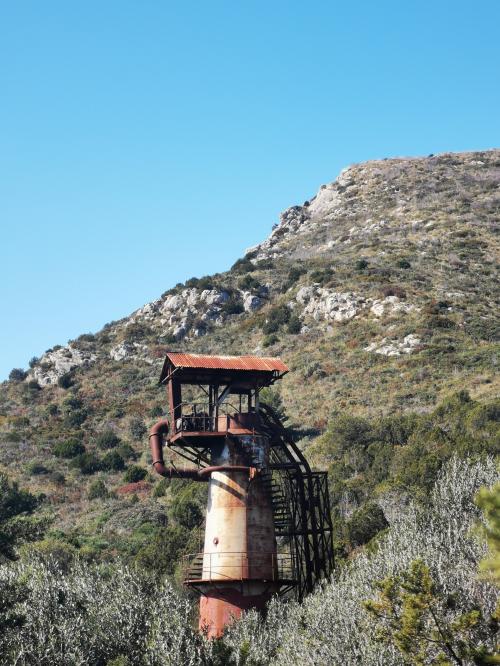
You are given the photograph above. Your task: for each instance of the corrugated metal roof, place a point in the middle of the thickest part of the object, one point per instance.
(262, 363)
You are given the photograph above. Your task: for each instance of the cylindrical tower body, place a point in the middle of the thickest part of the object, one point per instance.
(239, 559)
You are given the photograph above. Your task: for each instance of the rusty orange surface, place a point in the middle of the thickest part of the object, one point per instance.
(262, 363)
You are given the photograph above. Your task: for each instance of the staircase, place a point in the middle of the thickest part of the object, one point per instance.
(301, 505)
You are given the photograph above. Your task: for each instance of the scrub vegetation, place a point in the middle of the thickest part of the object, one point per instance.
(381, 295)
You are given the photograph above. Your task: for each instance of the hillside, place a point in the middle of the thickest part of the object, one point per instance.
(380, 293)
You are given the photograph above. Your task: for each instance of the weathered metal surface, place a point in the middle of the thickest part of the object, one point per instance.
(260, 486)
(221, 605)
(262, 363)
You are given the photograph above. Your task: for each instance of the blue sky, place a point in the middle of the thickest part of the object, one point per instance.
(142, 143)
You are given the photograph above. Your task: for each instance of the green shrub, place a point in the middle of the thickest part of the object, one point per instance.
(137, 429)
(156, 411)
(322, 275)
(187, 513)
(57, 478)
(242, 266)
(52, 409)
(136, 331)
(107, 440)
(75, 418)
(35, 469)
(270, 340)
(134, 474)
(163, 552)
(33, 385)
(97, 490)
(403, 263)
(361, 264)
(248, 282)
(276, 317)
(294, 275)
(66, 381)
(87, 463)
(200, 283)
(68, 449)
(17, 375)
(438, 322)
(112, 462)
(294, 325)
(365, 523)
(233, 305)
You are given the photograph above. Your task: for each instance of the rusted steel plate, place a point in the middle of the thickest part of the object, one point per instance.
(262, 363)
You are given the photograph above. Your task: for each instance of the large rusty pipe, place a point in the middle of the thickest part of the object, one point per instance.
(158, 431)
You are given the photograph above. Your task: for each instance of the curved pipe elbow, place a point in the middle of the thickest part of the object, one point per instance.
(158, 432)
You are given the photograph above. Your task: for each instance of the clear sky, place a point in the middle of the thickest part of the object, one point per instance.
(142, 143)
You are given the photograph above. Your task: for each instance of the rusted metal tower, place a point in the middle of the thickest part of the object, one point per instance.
(268, 525)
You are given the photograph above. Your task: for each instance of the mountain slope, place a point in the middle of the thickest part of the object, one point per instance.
(380, 293)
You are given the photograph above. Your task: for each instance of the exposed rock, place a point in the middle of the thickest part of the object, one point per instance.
(386, 347)
(251, 302)
(55, 364)
(328, 304)
(391, 304)
(128, 351)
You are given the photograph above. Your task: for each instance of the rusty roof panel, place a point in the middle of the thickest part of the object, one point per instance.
(259, 363)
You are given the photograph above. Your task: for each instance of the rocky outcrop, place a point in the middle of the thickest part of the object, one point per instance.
(320, 303)
(386, 347)
(128, 351)
(326, 304)
(58, 362)
(391, 305)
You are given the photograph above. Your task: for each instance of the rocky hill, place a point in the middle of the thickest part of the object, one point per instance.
(380, 293)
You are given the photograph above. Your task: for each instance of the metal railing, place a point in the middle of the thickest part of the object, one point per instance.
(195, 417)
(238, 566)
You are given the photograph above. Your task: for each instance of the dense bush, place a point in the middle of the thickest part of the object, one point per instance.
(69, 448)
(243, 266)
(294, 275)
(321, 276)
(97, 490)
(137, 429)
(163, 552)
(202, 283)
(248, 282)
(187, 513)
(107, 440)
(35, 469)
(17, 375)
(276, 317)
(87, 463)
(365, 523)
(269, 340)
(78, 613)
(112, 462)
(136, 331)
(294, 325)
(16, 522)
(134, 473)
(66, 381)
(233, 305)
(404, 451)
